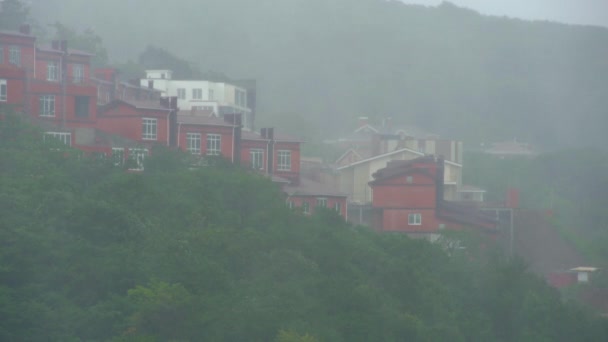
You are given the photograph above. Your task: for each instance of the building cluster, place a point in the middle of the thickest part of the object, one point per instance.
(93, 111)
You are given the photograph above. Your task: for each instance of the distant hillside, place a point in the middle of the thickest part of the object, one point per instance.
(321, 62)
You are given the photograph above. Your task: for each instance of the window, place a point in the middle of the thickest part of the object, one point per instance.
(257, 159)
(290, 204)
(322, 202)
(305, 207)
(81, 106)
(52, 71)
(137, 156)
(181, 93)
(64, 137)
(193, 143)
(118, 156)
(78, 73)
(213, 144)
(47, 105)
(148, 131)
(414, 219)
(197, 94)
(211, 95)
(3, 91)
(409, 179)
(338, 207)
(284, 161)
(14, 55)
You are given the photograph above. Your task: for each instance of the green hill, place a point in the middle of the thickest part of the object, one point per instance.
(326, 62)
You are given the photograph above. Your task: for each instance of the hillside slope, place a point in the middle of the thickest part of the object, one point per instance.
(447, 69)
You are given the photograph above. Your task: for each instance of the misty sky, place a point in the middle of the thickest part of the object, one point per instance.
(587, 12)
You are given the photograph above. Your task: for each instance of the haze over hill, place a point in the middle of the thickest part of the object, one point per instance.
(320, 64)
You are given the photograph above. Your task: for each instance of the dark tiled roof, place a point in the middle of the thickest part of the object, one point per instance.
(48, 48)
(16, 33)
(201, 118)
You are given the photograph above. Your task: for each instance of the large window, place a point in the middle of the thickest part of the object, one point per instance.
(64, 137)
(181, 93)
(414, 219)
(78, 73)
(118, 156)
(305, 207)
(284, 160)
(211, 95)
(14, 55)
(193, 143)
(338, 207)
(47, 105)
(214, 144)
(3, 91)
(136, 158)
(52, 71)
(257, 159)
(197, 94)
(81, 106)
(148, 131)
(322, 202)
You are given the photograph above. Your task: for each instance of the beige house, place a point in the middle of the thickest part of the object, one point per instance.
(353, 178)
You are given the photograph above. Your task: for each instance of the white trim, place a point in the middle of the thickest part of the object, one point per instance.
(392, 153)
(364, 126)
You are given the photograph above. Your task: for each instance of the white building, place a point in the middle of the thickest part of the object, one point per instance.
(219, 97)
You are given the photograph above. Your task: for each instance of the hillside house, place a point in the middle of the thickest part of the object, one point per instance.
(218, 97)
(408, 196)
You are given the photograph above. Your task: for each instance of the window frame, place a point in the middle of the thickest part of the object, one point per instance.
(338, 207)
(181, 93)
(283, 160)
(197, 93)
(3, 90)
(52, 71)
(64, 137)
(149, 129)
(214, 144)
(211, 95)
(306, 207)
(414, 219)
(254, 155)
(14, 55)
(321, 202)
(118, 156)
(139, 156)
(193, 137)
(77, 73)
(47, 105)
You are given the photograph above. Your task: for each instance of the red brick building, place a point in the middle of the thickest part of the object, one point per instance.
(407, 196)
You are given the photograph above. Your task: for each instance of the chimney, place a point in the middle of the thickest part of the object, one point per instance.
(55, 45)
(376, 148)
(263, 133)
(64, 46)
(512, 200)
(25, 29)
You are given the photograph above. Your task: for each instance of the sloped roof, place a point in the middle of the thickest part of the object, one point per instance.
(186, 118)
(278, 136)
(49, 48)
(390, 154)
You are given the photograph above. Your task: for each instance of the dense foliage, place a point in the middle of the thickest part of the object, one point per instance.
(571, 183)
(90, 252)
(326, 62)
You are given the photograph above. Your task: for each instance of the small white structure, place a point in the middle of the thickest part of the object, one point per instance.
(582, 273)
(219, 97)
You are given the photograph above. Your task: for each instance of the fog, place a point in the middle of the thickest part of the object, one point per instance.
(303, 170)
